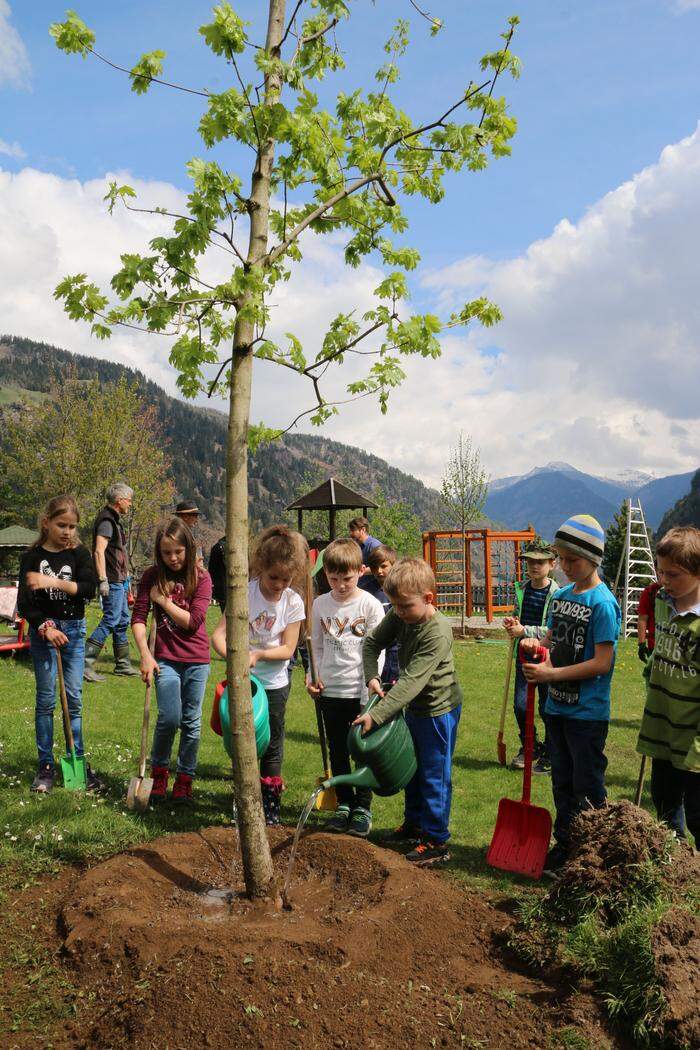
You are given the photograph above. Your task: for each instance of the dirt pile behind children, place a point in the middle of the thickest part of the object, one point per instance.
(624, 915)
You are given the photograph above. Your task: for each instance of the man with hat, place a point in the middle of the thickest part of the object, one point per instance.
(532, 600)
(188, 512)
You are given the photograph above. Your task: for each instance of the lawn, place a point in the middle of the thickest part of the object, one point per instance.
(38, 833)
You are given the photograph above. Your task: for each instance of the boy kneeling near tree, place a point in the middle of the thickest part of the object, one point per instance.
(428, 689)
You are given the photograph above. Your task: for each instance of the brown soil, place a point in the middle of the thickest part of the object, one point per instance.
(675, 943)
(620, 857)
(373, 954)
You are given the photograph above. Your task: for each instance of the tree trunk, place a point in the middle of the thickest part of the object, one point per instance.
(255, 849)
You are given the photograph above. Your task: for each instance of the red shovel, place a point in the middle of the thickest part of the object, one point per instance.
(522, 833)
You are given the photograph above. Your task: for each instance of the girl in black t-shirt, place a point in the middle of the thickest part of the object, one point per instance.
(56, 578)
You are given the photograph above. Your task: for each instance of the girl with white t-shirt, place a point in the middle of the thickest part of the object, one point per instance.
(275, 615)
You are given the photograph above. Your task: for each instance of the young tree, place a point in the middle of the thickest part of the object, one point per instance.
(395, 524)
(80, 439)
(344, 170)
(465, 486)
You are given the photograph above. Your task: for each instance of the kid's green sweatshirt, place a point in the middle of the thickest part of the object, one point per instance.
(427, 680)
(671, 724)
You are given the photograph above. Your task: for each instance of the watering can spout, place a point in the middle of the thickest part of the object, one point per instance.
(360, 778)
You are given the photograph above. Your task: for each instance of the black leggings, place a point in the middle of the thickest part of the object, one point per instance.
(271, 762)
(337, 717)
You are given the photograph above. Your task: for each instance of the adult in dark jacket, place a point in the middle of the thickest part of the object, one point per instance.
(217, 571)
(112, 568)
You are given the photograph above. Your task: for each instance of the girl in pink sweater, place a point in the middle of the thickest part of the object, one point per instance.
(179, 594)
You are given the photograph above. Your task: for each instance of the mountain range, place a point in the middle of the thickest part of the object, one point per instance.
(548, 495)
(280, 472)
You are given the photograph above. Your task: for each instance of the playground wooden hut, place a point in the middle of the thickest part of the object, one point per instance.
(331, 495)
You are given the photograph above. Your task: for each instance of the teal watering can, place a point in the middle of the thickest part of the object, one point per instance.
(261, 717)
(385, 757)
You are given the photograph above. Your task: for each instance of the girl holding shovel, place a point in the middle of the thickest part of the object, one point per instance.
(179, 592)
(56, 578)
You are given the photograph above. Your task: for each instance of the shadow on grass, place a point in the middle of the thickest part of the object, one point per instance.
(468, 762)
(626, 723)
(300, 737)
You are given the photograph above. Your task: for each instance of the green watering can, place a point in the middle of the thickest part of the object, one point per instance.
(385, 757)
(261, 717)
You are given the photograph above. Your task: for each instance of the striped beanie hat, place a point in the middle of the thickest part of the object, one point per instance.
(582, 535)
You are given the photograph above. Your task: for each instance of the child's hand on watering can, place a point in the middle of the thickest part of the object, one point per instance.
(375, 686)
(513, 626)
(365, 721)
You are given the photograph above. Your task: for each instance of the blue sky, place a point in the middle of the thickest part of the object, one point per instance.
(606, 86)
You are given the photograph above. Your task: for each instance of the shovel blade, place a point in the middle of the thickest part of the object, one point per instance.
(520, 839)
(327, 799)
(74, 772)
(138, 794)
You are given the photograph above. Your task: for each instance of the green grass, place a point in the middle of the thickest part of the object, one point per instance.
(12, 395)
(37, 833)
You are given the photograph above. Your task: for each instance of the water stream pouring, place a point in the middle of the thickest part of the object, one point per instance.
(386, 761)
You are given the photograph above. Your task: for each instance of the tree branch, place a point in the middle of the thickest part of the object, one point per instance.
(291, 22)
(275, 253)
(144, 76)
(439, 123)
(428, 17)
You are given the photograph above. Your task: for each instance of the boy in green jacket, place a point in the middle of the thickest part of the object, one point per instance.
(427, 688)
(670, 731)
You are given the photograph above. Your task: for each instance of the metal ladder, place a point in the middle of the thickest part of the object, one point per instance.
(638, 563)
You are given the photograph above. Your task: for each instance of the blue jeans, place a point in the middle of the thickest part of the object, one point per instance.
(115, 616)
(180, 692)
(46, 673)
(577, 754)
(520, 706)
(676, 796)
(429, 793)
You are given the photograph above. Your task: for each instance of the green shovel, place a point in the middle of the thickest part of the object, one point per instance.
(74, 769)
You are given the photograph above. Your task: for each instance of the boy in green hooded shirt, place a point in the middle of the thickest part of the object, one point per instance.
(428, 690)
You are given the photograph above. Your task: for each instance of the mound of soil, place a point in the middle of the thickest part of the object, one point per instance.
(373, 953)
(675, 942)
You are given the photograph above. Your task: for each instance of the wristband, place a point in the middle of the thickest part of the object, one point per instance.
(44, 627)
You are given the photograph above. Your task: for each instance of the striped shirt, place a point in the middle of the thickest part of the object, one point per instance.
(671, 724)
(532, 611)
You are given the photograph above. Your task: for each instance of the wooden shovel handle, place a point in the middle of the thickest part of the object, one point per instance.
(314, 676)
(506, 688)
(640, 781)
(147, 703)
(67, 728)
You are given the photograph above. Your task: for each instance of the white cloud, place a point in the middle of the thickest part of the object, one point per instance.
(12, 149)
(600, 343)
(15, 68)
(681, 6)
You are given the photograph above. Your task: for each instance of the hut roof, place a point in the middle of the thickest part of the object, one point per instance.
(17, 536)
(332, 494)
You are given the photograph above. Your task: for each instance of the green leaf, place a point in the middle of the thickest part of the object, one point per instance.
(147, 67)
(73, 36)
(259, 434)
(226, 34)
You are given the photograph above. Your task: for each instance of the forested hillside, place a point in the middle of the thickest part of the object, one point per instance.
(196, 436)
(686, 511)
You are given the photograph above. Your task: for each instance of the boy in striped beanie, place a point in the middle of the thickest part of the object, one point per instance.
(583, 628)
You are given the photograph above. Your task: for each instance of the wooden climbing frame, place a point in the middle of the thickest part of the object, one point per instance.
(491, 561)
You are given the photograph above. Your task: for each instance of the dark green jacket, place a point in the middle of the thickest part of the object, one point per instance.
(671, 724)
(427, 682)
(532, 631)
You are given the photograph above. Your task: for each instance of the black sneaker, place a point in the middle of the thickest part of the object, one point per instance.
(426, 854)
(408, 834)
(556, 859)
(340, 819)
(542, 766)
(44, 780)
(519, 760)
(360, 822)
(94, 783)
